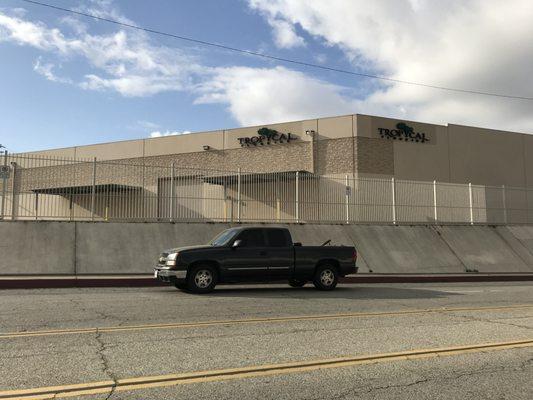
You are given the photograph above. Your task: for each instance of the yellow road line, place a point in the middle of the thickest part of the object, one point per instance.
(201, 324)
(147, 382)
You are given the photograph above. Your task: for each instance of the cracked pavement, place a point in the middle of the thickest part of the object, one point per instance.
(29, 362)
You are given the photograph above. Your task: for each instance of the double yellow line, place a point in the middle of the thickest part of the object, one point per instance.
(229, 322)
(148, 382)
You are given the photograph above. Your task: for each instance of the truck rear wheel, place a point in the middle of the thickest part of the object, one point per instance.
(202, 279)
(296, 283)
(326, 277)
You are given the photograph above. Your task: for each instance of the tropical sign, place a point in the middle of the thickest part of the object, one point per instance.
(266, 136)
(403, 132)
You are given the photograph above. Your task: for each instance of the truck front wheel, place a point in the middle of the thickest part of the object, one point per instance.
(202, 279)
(326, 277)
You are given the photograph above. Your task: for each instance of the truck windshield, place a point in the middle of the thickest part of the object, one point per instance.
(223, 237)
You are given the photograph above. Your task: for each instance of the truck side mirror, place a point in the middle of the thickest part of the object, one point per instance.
(237, 243)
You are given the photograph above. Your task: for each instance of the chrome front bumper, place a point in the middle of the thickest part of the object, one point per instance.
(166, 274)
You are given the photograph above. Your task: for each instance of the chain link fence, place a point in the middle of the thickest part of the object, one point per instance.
(47, 188)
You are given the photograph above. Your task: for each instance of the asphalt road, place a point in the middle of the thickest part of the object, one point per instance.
(437, 341)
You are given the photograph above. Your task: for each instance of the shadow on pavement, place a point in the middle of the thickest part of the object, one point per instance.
(309, 292)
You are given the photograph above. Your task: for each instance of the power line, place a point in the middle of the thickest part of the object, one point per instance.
(275, 58)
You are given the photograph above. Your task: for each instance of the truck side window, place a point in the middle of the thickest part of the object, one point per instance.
(276, 238)
(252, 238)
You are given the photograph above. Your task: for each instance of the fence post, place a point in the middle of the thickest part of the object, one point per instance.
(13, 194)
(471, 203)
(171, 213)
(435, 215)
(393, 188)
(231, 205)
(93, 190)
(239, 195)
(4, 183)
(297, 197)
(36, 206)
(143, 193)
(504, 200)
(347, 200)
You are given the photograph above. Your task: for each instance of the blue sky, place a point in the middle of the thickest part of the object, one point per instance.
(68, 80)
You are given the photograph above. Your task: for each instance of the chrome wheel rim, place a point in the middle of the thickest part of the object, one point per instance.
(327, 277)
(203, 278)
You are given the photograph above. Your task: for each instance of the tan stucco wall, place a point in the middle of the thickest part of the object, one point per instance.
(66, 152)
(335, 127)
(378, 156)
(177, 144)
(109, 151)
(486, 157)
(348, 144)
(528, 158)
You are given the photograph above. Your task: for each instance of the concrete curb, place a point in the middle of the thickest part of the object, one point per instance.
(390, 278)
(49, 282)
(45, 282)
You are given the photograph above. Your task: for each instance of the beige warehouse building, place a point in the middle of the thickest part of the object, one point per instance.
(349, 169)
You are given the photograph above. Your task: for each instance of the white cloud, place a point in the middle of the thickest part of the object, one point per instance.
(15, 29)
(474, 44)
(285, 35)
(284, 32)
(320, 58)
(147, 124)
(126, 62)
(46, 70)
(156, 134)
(255, 95)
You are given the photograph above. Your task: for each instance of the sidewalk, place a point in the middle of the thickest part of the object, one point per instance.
(66, 281)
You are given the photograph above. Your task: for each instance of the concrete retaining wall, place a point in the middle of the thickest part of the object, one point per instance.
(113, 248)
(37, 248)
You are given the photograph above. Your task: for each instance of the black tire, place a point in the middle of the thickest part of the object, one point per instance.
(180, 285)
(296, 283)
(326, 277)
(202, 279)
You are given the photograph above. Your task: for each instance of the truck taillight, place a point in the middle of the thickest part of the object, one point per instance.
(354, 256)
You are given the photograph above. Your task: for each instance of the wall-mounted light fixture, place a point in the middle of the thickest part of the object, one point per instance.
(206, 147)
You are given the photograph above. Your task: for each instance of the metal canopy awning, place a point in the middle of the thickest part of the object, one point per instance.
(256, 177)
(86, 189)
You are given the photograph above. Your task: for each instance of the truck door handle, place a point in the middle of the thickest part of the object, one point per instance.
(263, 253)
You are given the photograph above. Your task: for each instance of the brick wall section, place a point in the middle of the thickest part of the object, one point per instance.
(335, 156)
(273, 158)
(374, 156)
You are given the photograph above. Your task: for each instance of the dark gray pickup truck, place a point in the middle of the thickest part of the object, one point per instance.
(254, 254)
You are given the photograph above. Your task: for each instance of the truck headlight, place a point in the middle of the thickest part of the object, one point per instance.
(171, 259)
